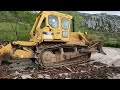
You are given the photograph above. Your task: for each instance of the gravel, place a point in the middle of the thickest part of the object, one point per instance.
(102, 67)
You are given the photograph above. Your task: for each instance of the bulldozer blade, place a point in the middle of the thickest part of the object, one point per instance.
(99, 48)
(98, 45)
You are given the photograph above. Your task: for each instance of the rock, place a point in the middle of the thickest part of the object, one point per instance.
(34, 75)
(96, 66)
(47, 76)
(66, 74)
(27, 76)
(116, 76)
(32, 71)
(101, 21)
(15, 77)
(82, 71)
(17, 73)
(63, 74)
(60, 74)
(67, 78)
(40, 76)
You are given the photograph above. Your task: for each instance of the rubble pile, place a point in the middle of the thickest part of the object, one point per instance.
(94, 70)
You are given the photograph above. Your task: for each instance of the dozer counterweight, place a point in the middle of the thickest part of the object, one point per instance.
(52, 42)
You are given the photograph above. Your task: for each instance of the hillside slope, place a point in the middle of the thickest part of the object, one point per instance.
(105, 27)
(101, 22)
(16, 25)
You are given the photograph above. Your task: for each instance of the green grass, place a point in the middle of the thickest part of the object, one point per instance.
(11, 26)
(23, 36)
(110, 39)
(7, 33)
(83, 29)
(11, 36)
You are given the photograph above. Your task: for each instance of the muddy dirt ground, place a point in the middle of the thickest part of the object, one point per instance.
(101, 67)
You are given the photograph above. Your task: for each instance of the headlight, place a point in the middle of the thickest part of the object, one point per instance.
(65, 34)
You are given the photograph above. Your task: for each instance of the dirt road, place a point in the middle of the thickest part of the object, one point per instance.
(112, 57)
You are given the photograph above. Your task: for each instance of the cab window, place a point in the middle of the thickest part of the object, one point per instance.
(43, 23)
(53, 21)
(65, 23)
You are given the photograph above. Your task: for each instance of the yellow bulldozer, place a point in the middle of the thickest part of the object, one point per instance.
(53, 42)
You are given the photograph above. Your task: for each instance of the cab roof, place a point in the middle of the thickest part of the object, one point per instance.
(56, 14)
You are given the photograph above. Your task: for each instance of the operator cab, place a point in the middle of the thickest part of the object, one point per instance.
(53, 26)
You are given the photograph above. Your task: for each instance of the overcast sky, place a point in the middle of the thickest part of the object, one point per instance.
(107, 12)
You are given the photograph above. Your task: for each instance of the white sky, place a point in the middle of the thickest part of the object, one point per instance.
(107, 12)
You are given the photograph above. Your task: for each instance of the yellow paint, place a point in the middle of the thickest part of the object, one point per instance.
(77, 38)
(23, 54)
(16, 53)
(24, 43)
(6, 49)
(38, 36)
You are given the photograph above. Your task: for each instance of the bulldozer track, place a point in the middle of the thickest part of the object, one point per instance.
(83, 58)
(72, 61)
(22, 64)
